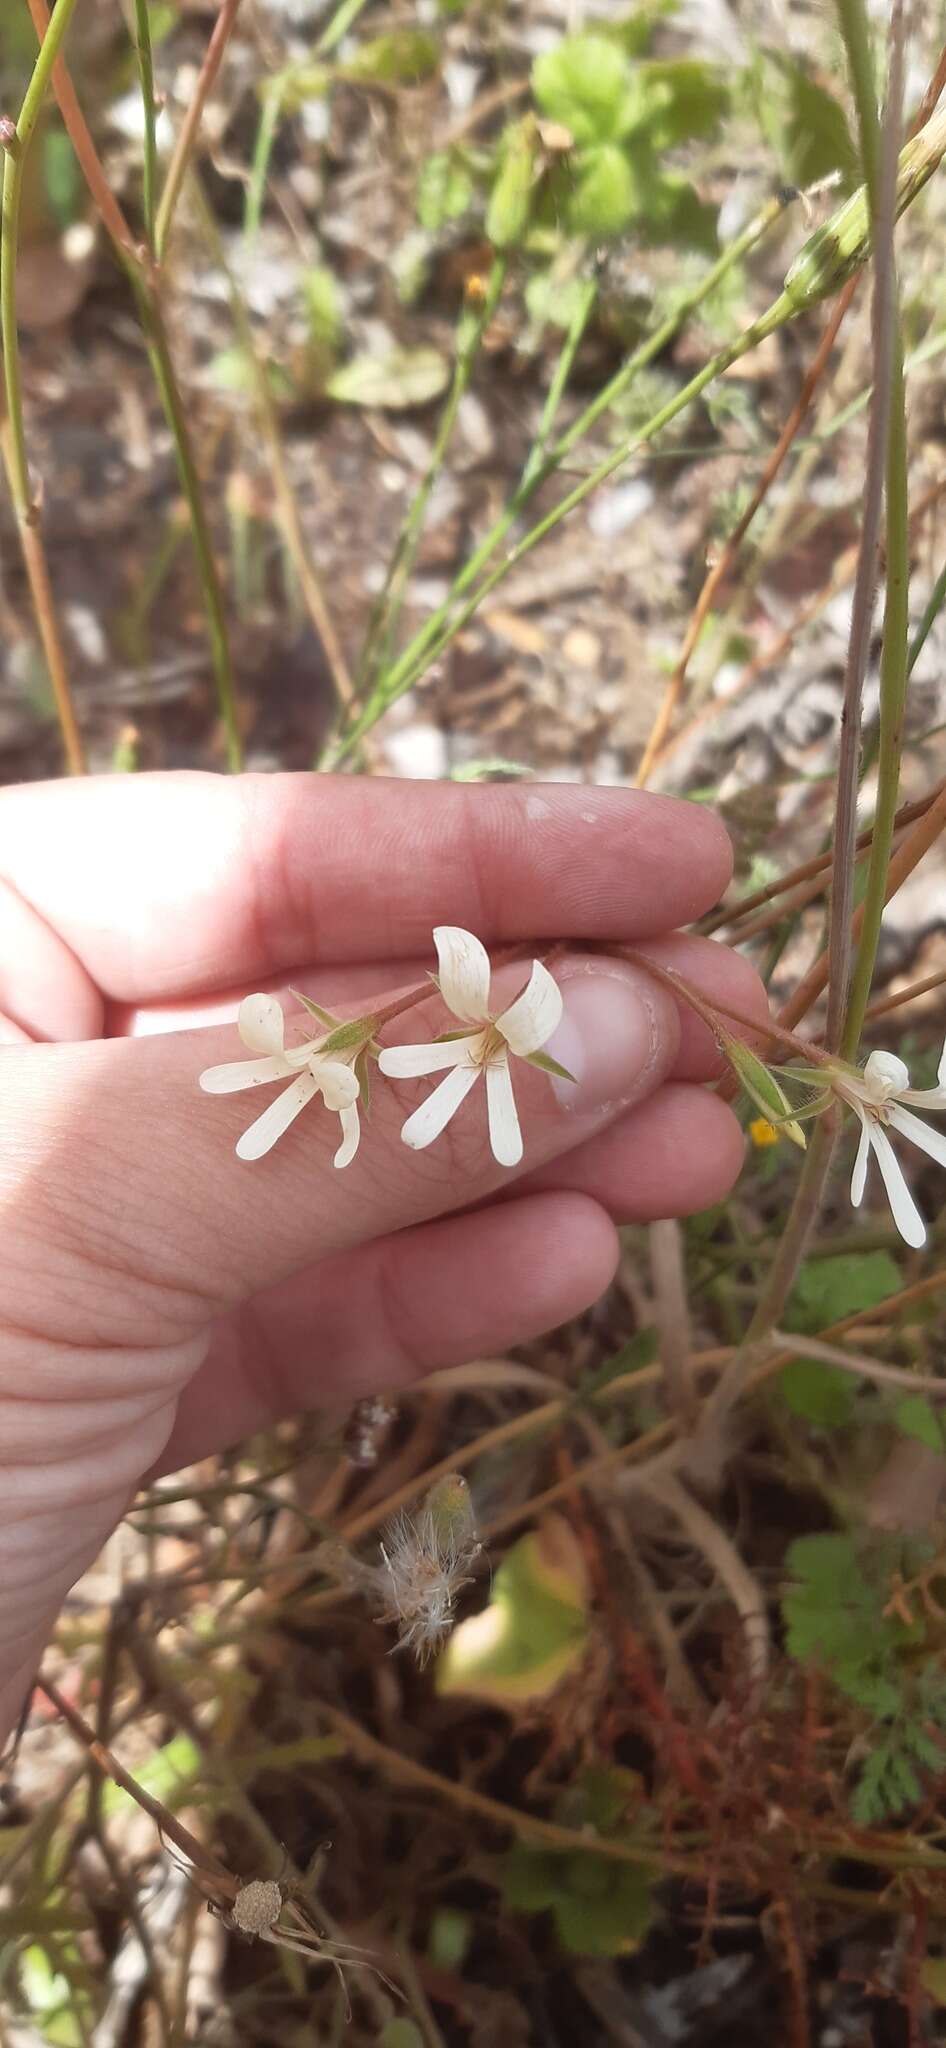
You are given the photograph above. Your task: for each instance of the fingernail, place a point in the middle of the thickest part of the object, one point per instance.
(612, 1037)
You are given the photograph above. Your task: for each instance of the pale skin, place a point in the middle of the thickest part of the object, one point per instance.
(162, 1298)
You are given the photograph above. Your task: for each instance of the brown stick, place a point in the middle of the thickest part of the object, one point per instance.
(177, 169)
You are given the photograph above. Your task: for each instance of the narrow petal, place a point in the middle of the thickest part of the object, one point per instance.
(859, 1176)
(336, 1083)
(534, 1015)
(903, 1208)
(505, 1137)
(408, 1062)
(434, 1115)
(886, 1075)
(237, 1074)
(919, 1133)
(351, 1134)
(261, 1024)
(464, 973)
(262, 1135)
(941, 1069)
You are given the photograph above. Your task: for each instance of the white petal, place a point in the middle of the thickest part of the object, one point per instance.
(886, 1075)
(464, 973)
(905, 1213)
(336, 1082)
(534, 1015)
(351, 1133)
(262, 1135)
(505, 1137)
(919, 1133)
(237, 1074)
(434, 1115)
(859, 1176)
(941, 1069)
(408, 1062)
(261, 1024)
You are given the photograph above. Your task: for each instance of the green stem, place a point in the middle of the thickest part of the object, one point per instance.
(471, 328)
(274, 99)
(146, 73)
(894, 673)
(446, 622)
(163, 367)
(584, 306)
(13, 433)
(535, 475)
(14, 165)
(855, 29)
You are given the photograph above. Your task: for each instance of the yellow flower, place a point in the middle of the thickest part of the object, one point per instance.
(762, 1132)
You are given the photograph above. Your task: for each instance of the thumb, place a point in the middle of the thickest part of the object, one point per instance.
(129, 1174)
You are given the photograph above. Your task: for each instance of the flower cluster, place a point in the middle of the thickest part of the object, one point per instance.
(877, 1097)
(334, 1064)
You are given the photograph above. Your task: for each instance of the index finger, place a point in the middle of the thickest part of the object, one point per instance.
(176, 884)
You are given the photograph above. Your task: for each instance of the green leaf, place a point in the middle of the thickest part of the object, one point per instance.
(933, 1979)
(403, 378)
(232, 370)
(816, 137)
(583, 83)
(448, 1942)
(535, 1627)
(606, 194)
(444, 190)
(686, 100)
(400, 2033)
(401, 57)
(323, 307)
(819, 1394)
(917, 1418)
(606, 1911)
(827, 1290)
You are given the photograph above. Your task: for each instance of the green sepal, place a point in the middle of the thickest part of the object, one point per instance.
(347, 1037)
(324, 1017)
(448, 1037)
(762, 1088)
(362, 1072)
(546, 1064)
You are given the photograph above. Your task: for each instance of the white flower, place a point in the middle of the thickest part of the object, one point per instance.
(877, 1095)
(262, 1026)
(521, 1029)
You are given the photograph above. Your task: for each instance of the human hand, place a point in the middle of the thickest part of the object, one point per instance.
(161, 1298)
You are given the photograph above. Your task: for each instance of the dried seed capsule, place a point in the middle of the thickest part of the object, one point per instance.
(257, 1906)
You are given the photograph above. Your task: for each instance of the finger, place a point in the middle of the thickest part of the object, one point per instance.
(129, 1169)
(385, 1314)
(720, 975)
(676, 1154)
(186, 882)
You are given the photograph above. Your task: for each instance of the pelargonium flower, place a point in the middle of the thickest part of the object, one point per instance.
(311, 1071)
(877, 1096)
(521, 1029)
